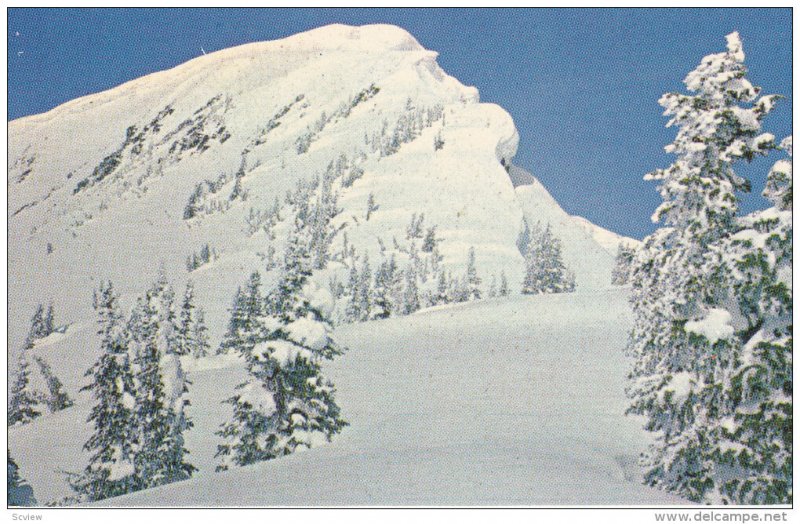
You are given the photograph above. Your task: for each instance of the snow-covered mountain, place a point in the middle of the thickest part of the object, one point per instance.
(98, 187)
(125, 183)
(607, 239)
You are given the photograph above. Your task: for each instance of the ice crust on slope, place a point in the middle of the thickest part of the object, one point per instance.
(515, 401)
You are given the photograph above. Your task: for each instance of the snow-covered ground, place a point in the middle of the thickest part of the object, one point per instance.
(514, 401)
(505, 401)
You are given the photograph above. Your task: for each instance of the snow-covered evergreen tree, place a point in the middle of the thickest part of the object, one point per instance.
(620, 275)
(286, 402)
(545, 271)
(757, 432)
(411, 291)
(42, 324)
(191, 336)
(56, 398)
(244, 327)
(20, 494)
(686, 339)
(473, 280)
(360, 297)
(199, 334)
(50, 319)
(387, 289)
(503, 291)
(158, 419)
(23, 402)
(110, 471)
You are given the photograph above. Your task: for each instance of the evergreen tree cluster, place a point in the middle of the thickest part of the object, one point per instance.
(545, 271)
(304, 141)
(286, 402)
(42, 323)
(140, 392)
(26, 403)
(409, 127)
(206, 255)
(712, 301)
(395, 290)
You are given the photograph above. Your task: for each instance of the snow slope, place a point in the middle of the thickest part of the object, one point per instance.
(98, 186)
(609, 240)
(590, 261)
(516, 401)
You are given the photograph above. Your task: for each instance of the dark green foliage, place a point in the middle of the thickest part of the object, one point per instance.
(20, 494)
(23, 404)
(110, 470)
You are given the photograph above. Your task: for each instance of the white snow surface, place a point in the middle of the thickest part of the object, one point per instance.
(715, 326)
(609, 240)
(515, 401)
(123, 227)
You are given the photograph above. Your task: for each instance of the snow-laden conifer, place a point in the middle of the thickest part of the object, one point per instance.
(23, 402)
(545, 271)
(111, 446)
(56, 398)
(686, 338)
(286, 403)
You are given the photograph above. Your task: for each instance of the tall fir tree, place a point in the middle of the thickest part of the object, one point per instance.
(757, 430)
(159, 419)
(286, 402)
(110, 471)
(686, 338)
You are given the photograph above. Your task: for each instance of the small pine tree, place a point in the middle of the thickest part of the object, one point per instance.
(503, 291)
(473, 280)
(49, 320)
(199, 334)
(545, 271)
(620, 275)
(371, 206)
(244, 327)
(411, 291)
(56, 398)
(23, 404)
(38, 327)
(191, 336)
(430, 241)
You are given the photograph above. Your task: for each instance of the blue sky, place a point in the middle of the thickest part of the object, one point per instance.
(581, 84)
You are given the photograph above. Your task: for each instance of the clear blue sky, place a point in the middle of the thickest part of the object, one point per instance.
(581, 84)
